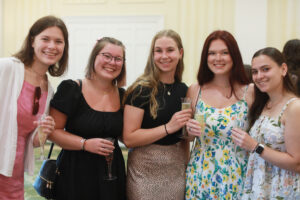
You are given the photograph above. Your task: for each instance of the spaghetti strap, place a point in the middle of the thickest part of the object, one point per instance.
(198, 96)
(199, 93)
(286, 104)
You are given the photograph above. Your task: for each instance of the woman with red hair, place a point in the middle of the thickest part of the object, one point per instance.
(223, 95)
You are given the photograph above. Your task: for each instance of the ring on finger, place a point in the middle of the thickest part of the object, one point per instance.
(190, 129)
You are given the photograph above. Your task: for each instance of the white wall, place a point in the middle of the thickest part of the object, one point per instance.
(250, 27)
(1, 27)
(135, 32)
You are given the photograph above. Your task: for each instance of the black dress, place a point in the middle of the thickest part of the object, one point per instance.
(82, 172)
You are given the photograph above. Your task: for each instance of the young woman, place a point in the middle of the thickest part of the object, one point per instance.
(217, 168)
(153, 121)
(274, 162)
(86, 112)
(25, 93)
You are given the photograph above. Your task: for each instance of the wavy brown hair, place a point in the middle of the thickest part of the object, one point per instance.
(26, 53)
(100, 44)
(150, 77)
(261, 98)
(237, 74)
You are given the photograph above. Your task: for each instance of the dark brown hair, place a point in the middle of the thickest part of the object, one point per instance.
(26, 53)
(291, 52)
(237, 74)
(261, 98)
(101, 43)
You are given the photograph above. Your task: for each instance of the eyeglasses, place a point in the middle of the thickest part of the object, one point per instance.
(108, 58)
(36, 98)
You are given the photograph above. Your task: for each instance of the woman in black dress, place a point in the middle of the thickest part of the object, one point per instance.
(86, 112)
(153, 121)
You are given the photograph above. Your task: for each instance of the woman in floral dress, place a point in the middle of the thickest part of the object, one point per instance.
(274, 163)
(217, 168)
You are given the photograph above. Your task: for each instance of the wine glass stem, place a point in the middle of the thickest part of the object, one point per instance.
(109, 169)
(42, 151)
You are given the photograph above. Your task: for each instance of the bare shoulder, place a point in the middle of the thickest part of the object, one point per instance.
(294, 107)
(193, 89)
(250, 91)
(250, 94)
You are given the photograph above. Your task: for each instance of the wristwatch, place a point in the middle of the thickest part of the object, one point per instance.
(259, 148)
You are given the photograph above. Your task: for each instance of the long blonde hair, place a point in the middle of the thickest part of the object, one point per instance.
(150, 77)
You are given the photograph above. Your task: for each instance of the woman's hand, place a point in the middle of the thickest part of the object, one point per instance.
(99, 146)
(193, 128)
(47, 124)
(243, 139)
(178, 120)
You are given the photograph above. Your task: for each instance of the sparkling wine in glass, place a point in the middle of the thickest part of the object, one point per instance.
(201, 119)
(42, 135)
(238, 123)
(109, 159)
(186, 103)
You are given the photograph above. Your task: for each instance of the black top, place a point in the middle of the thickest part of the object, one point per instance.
(81, 172)
(168, 105)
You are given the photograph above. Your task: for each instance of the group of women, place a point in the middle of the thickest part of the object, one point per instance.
(248, 148)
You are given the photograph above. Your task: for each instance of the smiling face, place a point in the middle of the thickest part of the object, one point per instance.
(166, 55)
(48, 46)
(219, 60)
(267, 74)
(109, 62)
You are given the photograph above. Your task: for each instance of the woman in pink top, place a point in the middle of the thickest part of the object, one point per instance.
(24, 94)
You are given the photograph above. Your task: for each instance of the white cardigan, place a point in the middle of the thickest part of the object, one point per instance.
(11, 82)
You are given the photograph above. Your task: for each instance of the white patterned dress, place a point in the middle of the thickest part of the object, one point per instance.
(217, 167)
(264, 180)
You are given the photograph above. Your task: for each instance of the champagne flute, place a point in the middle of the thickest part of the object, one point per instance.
(109, 160)
(186, 103)
(238, 123)
(201, 119)
(42, 135)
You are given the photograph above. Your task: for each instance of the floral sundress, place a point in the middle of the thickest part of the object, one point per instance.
(217, 166)
(264, 180)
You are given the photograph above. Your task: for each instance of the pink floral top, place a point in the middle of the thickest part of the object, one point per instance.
(263, 179)
(13, 187)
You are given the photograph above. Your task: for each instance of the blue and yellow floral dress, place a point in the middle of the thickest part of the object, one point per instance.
(217, 167)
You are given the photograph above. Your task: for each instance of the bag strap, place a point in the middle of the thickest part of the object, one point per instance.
(50, 151)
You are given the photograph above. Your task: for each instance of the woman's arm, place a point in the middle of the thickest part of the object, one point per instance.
(193, 126)
(289, 160)
(70, 141)
(134, 135)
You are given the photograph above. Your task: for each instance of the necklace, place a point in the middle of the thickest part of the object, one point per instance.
(169, 88)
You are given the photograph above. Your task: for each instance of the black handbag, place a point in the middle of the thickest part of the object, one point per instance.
(44, 182)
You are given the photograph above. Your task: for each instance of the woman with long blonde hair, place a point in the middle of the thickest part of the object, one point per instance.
(153, 122)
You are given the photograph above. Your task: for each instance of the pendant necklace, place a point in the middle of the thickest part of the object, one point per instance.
(169, 89)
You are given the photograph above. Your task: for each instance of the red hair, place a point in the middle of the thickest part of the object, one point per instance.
(237, 74)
